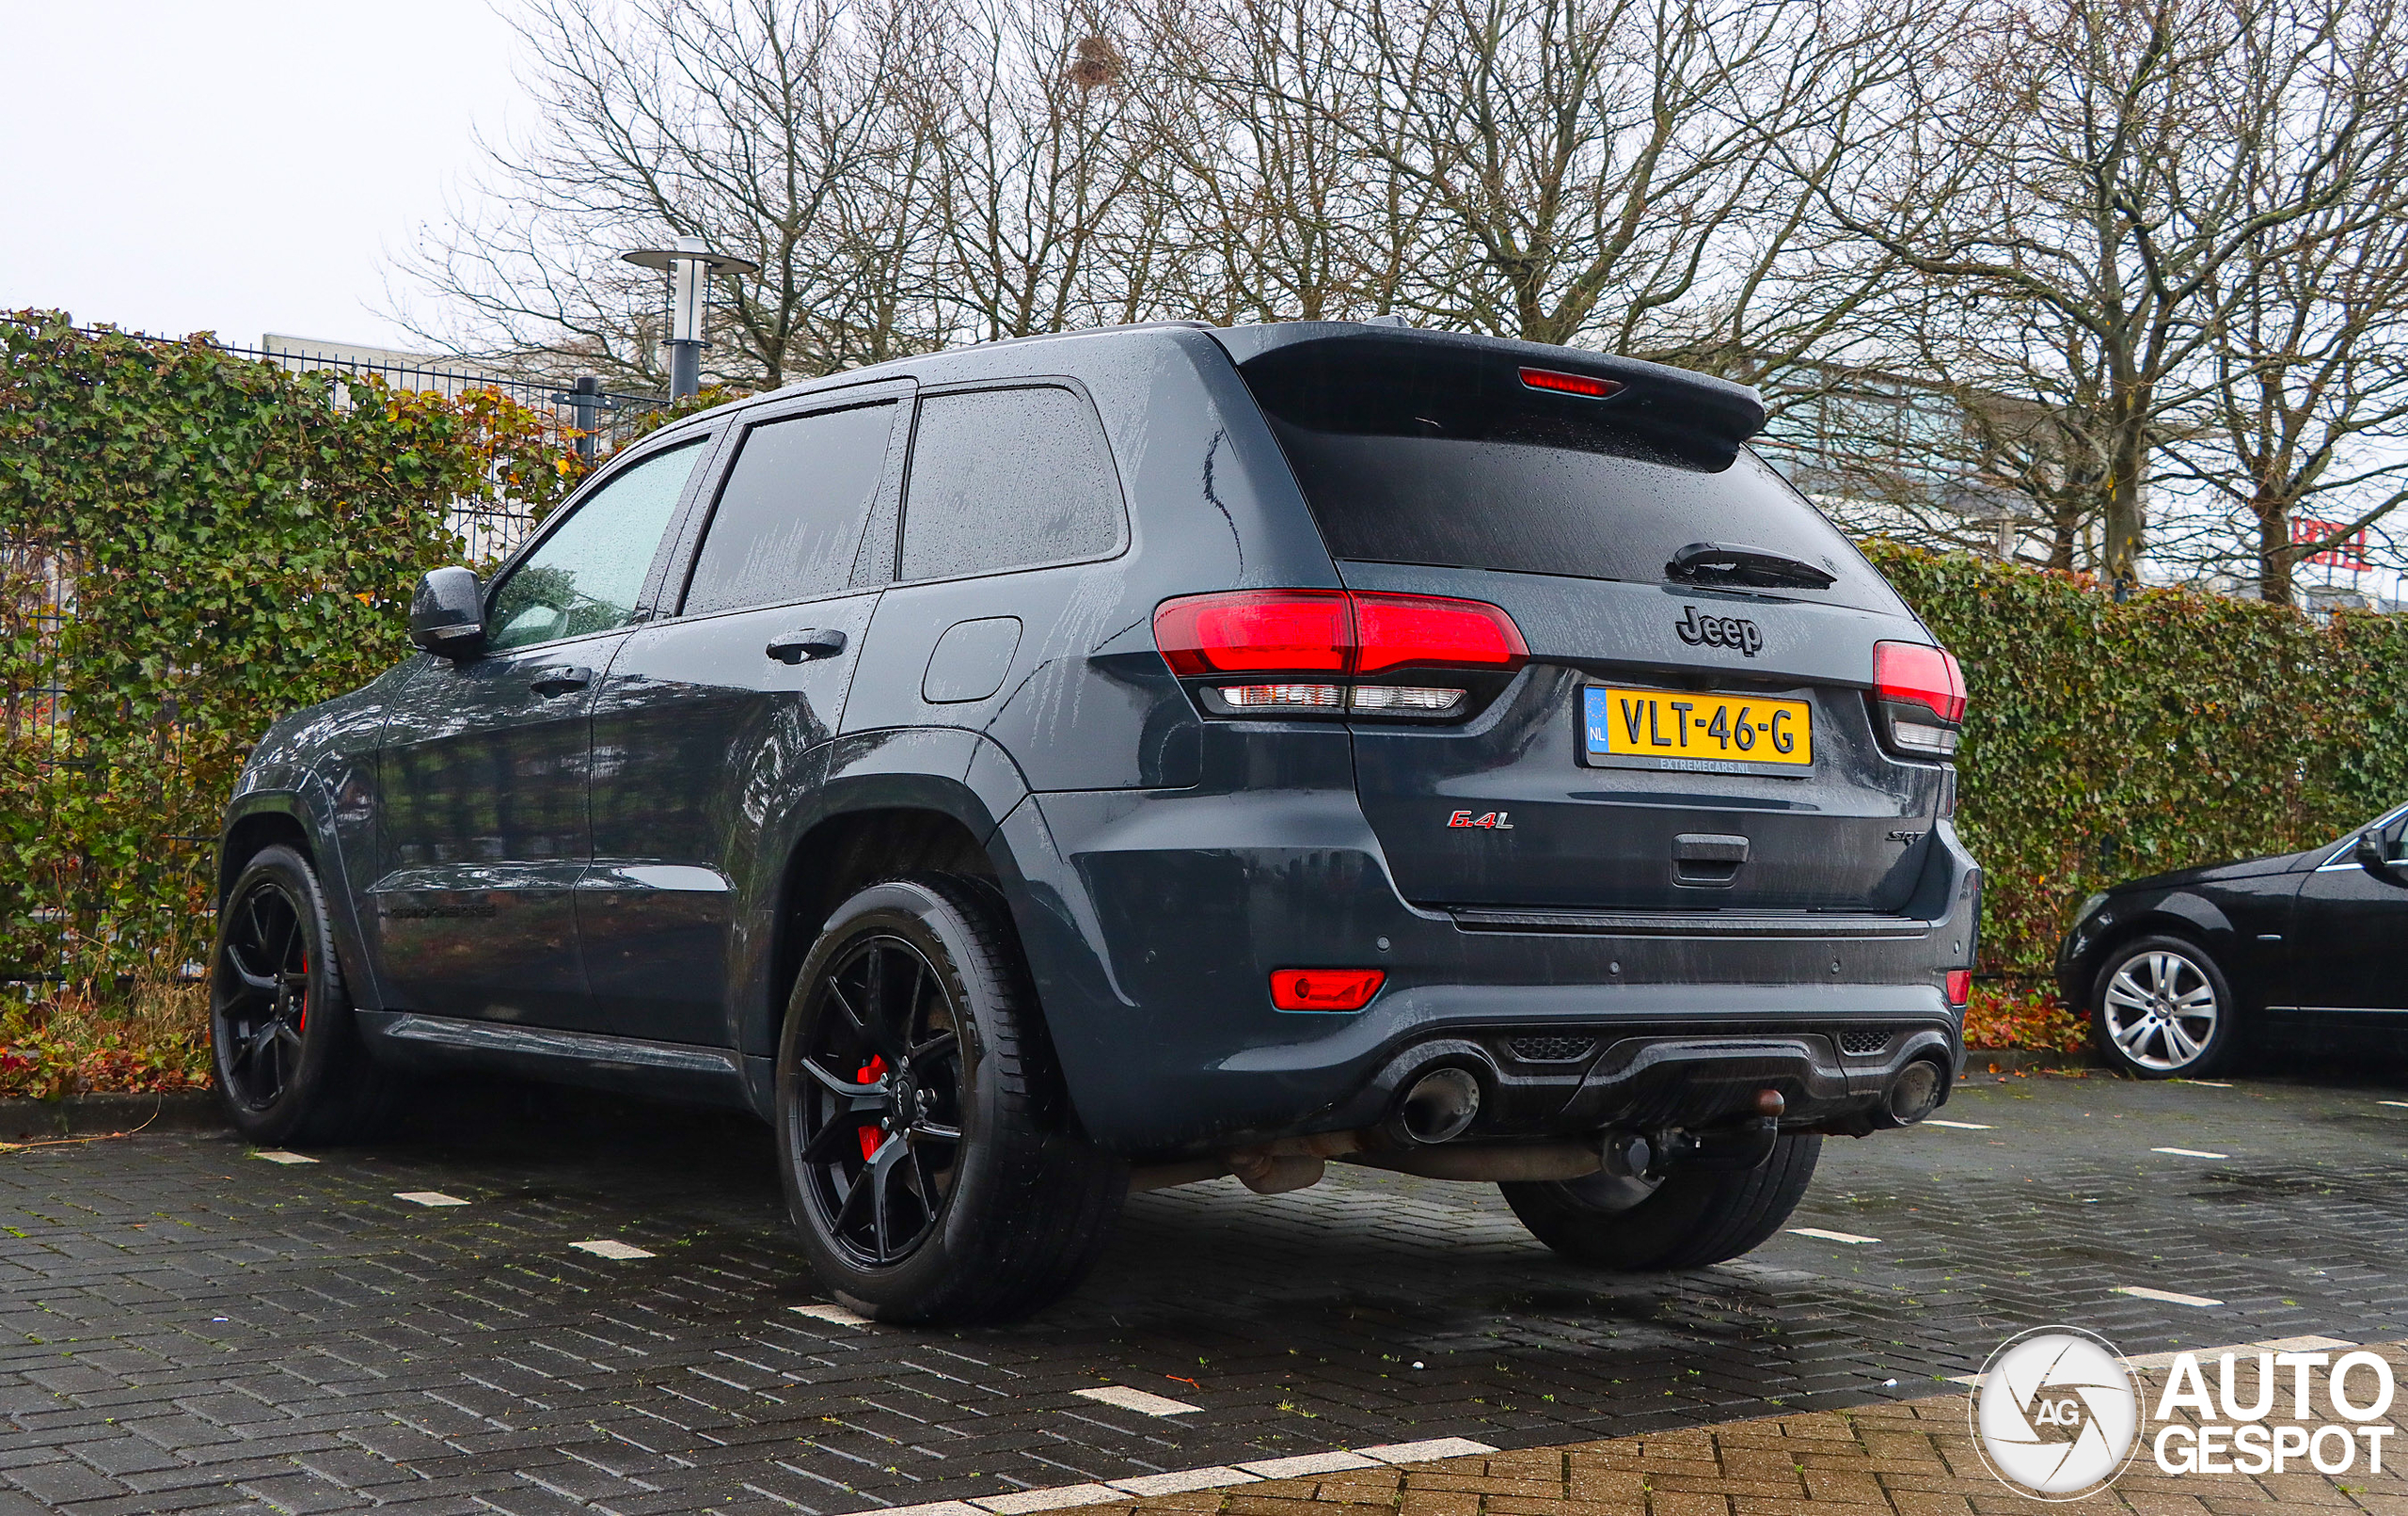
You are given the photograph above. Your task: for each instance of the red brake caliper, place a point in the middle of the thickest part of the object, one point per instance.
(870, 1137)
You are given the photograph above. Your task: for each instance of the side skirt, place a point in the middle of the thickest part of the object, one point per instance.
(412, 1040)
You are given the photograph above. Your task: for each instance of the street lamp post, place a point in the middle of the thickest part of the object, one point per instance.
(690, 265)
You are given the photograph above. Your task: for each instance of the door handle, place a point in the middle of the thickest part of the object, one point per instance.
(562, 680)
(807, 643)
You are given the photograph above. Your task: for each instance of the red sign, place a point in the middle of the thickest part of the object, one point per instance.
(2349, 553)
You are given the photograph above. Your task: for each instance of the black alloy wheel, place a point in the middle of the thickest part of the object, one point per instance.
(291, 1065)
(262, 1010)
(877, 1135)
(929, 1157)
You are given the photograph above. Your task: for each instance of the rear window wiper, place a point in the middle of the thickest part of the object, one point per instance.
(1753, 568)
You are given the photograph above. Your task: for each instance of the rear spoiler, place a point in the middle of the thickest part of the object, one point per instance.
(1697, 403)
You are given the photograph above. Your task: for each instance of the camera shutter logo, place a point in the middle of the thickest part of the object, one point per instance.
(2056, 1414)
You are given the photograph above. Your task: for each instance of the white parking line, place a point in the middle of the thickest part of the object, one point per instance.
(2188, 1152)
(1021, 1502)
(277, 1155)
(428, 1197)
(1302, 1463)
(1422, 1452)
(603, 1247)
(1179, 1481)
(288, 1157)
(1182, 1481)
(1960, 1126)
(833, 1315)
(1128, 1399)
(2165, 1360)
(2169, 1296)
(1832, 1236)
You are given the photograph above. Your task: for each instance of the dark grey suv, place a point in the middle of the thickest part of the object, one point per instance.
(1054, 767)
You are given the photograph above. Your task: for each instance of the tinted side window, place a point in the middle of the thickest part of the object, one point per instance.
(586, 575)
(789, 517)
(1005, 478)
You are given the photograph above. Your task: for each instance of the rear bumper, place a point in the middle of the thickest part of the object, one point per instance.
(1575, 1060)
(1154, 923)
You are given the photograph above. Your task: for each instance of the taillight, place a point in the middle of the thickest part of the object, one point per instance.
(1325, 990)
(1919, 692)
(1326, 641)
(1257, 631)
(1960, 986)
(1395, 631)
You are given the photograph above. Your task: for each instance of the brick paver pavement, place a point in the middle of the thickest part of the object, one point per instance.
(184, 1327)
(1910, 1458)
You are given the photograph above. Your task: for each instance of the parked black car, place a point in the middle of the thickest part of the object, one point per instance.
(2174, 967)
(1127, 758)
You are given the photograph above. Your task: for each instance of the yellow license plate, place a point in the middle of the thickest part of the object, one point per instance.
(1685, 730)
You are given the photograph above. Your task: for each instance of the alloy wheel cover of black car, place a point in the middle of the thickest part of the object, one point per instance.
(265, 967)
(878, 1135)
(2160, 1010)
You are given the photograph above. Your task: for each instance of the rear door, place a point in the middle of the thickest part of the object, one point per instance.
(1674, 742)
(1012, 513)
(709, 719)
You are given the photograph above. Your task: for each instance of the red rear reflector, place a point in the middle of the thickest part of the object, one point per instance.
(1332, 631)
(1960, 985)
(1915, 674)
(1325, 990)
(1395, 631)
(1569, 384)
(1257, 631)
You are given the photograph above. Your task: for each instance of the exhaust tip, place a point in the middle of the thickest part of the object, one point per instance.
(1914, 1094)
(1440, 1106)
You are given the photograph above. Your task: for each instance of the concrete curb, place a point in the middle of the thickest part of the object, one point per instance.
(93, 1116)
(2027, 1060)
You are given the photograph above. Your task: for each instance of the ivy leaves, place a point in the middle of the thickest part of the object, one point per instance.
(2110, 740)
(196, 544)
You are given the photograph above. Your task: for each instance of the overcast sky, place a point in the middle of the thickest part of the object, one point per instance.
(237, 166)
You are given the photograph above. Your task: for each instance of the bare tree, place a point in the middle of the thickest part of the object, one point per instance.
(2311, 357)
(2079, 188)
(771, 130)
(1280, 213)
(1048, 210)
(1571, 170)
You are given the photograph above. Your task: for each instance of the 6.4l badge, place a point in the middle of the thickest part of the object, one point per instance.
(1485, 820)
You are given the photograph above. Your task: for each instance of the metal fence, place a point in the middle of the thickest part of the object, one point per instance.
(583, 414)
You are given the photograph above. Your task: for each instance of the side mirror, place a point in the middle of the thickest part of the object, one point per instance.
(447, 614)
(2372, 853)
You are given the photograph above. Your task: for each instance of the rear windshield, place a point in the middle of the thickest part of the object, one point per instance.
(1449, 459)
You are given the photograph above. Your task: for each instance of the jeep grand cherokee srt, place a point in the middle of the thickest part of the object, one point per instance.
(1055, 767)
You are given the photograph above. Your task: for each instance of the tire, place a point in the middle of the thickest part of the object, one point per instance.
(992, 1202)
(1690, 1219)
(2161, 1009)
(291, 1067)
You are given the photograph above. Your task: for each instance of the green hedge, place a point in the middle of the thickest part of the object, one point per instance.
(237, 542)
(2110, 740)
(192, 544)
